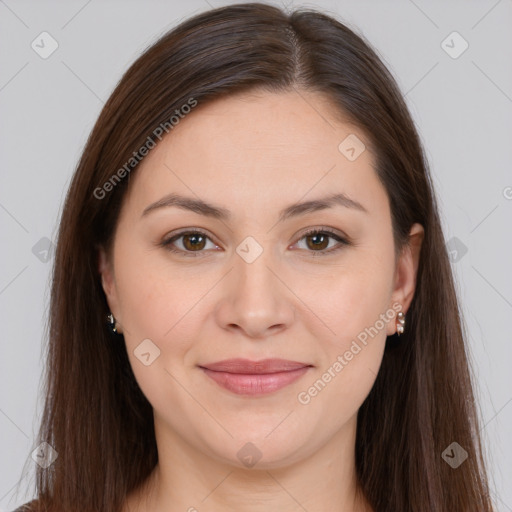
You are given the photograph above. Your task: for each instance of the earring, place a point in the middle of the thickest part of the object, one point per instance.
(113, 324)
(400, 325)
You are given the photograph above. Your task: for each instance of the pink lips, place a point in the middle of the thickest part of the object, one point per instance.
(246, 377)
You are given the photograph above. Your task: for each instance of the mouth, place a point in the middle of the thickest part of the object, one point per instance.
(253, 378)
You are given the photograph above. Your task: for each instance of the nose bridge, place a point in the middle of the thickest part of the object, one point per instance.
(252, 262)
(255, 299)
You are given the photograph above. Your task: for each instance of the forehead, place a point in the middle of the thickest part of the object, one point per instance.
(260, 149)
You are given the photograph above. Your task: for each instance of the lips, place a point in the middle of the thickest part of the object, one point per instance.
(254, 378)
(248, 367)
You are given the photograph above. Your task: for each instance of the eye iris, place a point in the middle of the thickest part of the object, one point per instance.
(319, 244)
(193, 238)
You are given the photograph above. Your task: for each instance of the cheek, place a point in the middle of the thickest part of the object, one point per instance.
(349, 299)
(353, 306)
(336, 392)
(163, 309)
(155, 295)
(158, 304)
(349, 360)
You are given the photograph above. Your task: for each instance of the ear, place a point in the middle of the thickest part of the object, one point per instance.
(406, 272)
(108, 282)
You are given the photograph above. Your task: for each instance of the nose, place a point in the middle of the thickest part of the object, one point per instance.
(255, 298)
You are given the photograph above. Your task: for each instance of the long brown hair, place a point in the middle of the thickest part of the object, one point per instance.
(95, 415)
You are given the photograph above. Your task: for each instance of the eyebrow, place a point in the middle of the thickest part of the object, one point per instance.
(217, 212)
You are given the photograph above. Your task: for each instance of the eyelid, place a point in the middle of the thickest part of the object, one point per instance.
(342, 239)
(167, 242)
(324, 229)
(190, 231)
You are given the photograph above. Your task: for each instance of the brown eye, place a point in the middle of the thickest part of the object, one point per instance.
(318, 241)
(188, 243)
(194, 242)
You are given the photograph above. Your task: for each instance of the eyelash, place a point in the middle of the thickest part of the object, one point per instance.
(167, 243)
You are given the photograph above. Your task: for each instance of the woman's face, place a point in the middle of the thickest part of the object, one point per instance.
(254, 284)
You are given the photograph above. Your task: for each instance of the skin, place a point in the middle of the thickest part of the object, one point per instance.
(254, 154)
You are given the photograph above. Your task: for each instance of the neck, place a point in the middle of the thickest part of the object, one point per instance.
(186, 479)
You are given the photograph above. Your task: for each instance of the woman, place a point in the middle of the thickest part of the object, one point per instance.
(238, 369)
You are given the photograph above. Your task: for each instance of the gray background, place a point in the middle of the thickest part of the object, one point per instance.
(462, 107)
